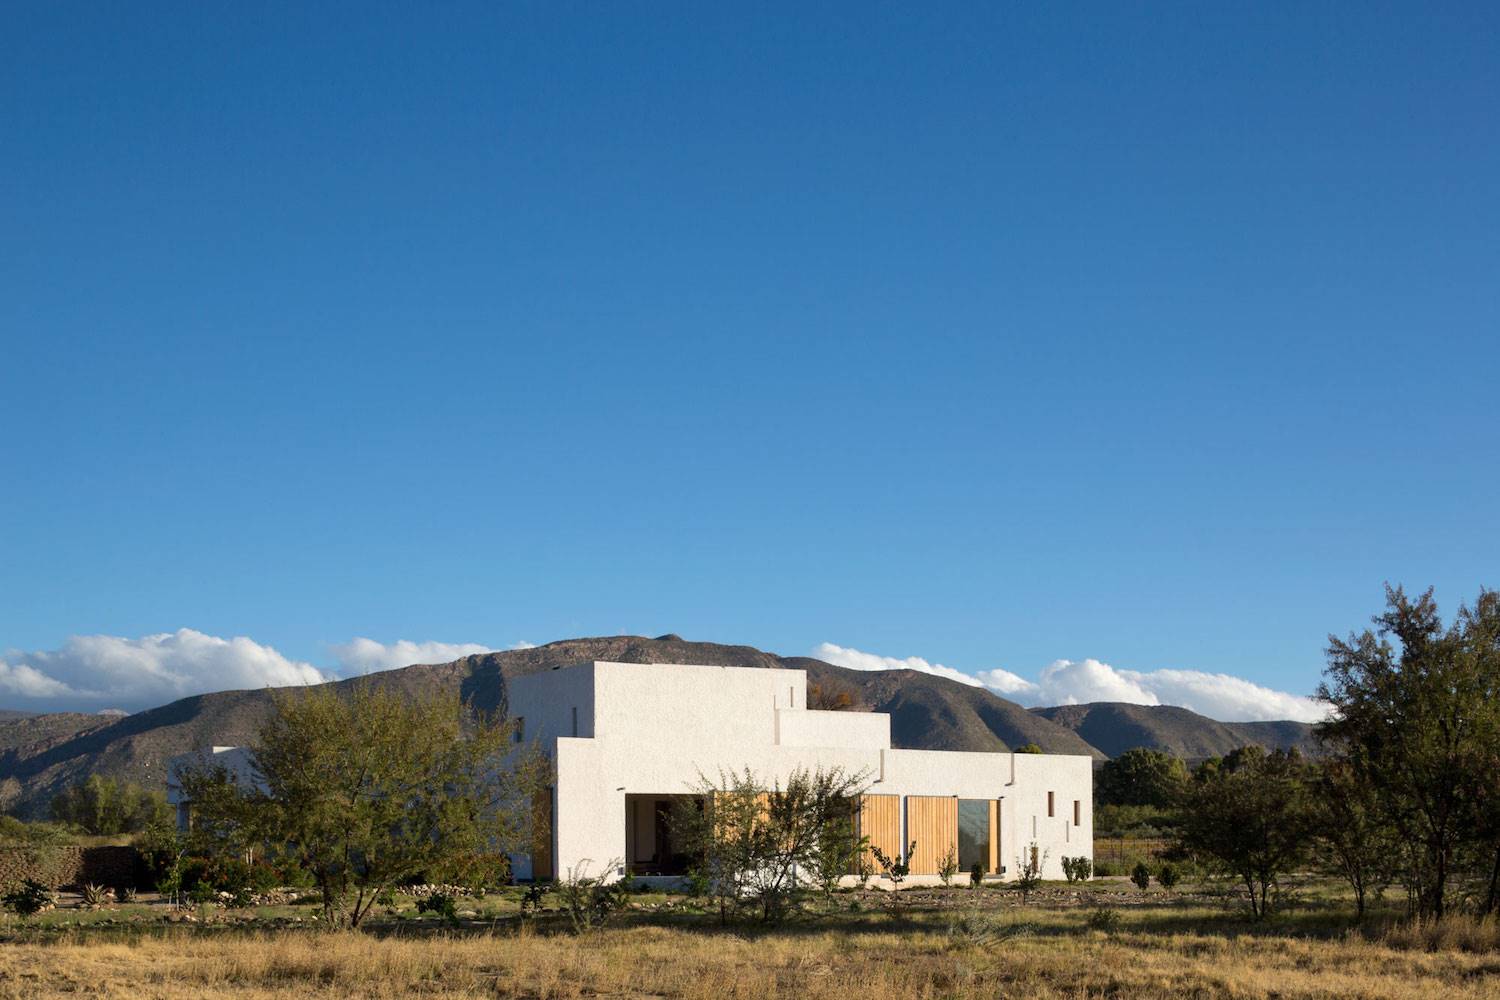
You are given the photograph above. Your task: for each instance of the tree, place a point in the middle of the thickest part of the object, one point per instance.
(1416, 715)
(1142, 777)
(1355, 840)
(106, 807)
(832, 696)
(372, 789)
(948, 867)
(1250, 820)
(836, 852)
(757, 839)
(1029, 871)
(1028, 748)
(895, 869)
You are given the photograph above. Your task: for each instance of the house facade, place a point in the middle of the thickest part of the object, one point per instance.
(238, 763)
(629, 739)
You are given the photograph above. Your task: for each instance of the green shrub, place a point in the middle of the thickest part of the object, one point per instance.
(894, 869)
(440, 904)
(531, 899)
(1106, 919)
(216, 875)
(1077, 869)
(976, 874)
(1103, 869)
(1140, 875)
(697, 885)
(1167, 877)
(29, 898)
(15, 831)
(948, 867)
(94, 896)
(590, 900)
(1029, 871)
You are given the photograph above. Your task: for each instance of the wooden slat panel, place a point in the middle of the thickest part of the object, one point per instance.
(541, 836)
(931, 821)
(994, 836)
(880, 820)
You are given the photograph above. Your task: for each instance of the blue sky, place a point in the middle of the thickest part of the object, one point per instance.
(1155, 336)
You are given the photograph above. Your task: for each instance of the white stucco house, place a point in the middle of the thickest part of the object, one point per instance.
(626, 738)
(237, 762)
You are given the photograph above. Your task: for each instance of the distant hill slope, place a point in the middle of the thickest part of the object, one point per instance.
(1114, 727)
(41, 755)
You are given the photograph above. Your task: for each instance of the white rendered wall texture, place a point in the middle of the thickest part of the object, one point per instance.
(658, 728)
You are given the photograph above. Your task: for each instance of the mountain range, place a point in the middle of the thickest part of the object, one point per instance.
(42, 754)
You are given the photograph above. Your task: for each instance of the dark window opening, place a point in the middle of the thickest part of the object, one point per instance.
(650, 845)
(973, 834)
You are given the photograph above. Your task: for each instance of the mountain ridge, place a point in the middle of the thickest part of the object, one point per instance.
(42, 754)
(1114, 727)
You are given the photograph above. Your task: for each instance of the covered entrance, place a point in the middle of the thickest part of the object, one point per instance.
(650, 848)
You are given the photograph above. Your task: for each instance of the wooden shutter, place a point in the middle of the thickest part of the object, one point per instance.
(541, 836)
(931, 821)
(995, 837)
(880, 820)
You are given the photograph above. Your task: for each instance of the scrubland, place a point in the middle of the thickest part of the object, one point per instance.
(958, 943)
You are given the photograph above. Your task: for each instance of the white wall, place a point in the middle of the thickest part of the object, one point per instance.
(657, 729)
(549, 701)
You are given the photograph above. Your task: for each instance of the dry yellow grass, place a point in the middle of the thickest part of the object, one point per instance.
(865, 963)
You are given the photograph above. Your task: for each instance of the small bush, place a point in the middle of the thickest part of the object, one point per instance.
(125, 894)
(589, 900)
(1029, 871)
(976, 874)
(29, 898)
(1166, 877)
(440, 904)
(894, 869)
(975, 927)
(95, 897)
(531, 899)
(864, 868)
(1104, 869)
(1140, 875)
(1106, 919)
(698, 883)
(948, 867)
(1077, 869)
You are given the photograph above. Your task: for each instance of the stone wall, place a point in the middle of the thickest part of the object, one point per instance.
(69, 865)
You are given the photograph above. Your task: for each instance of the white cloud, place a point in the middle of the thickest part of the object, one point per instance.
(1231, 699)
(1009, 684)
(28, 682)
(855, 660)
(364, 656)
(1075, 682)
(104, 671)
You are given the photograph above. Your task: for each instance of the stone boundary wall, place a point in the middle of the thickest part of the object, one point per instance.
(69, 865)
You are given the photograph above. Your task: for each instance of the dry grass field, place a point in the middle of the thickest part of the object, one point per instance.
(1172, 948)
